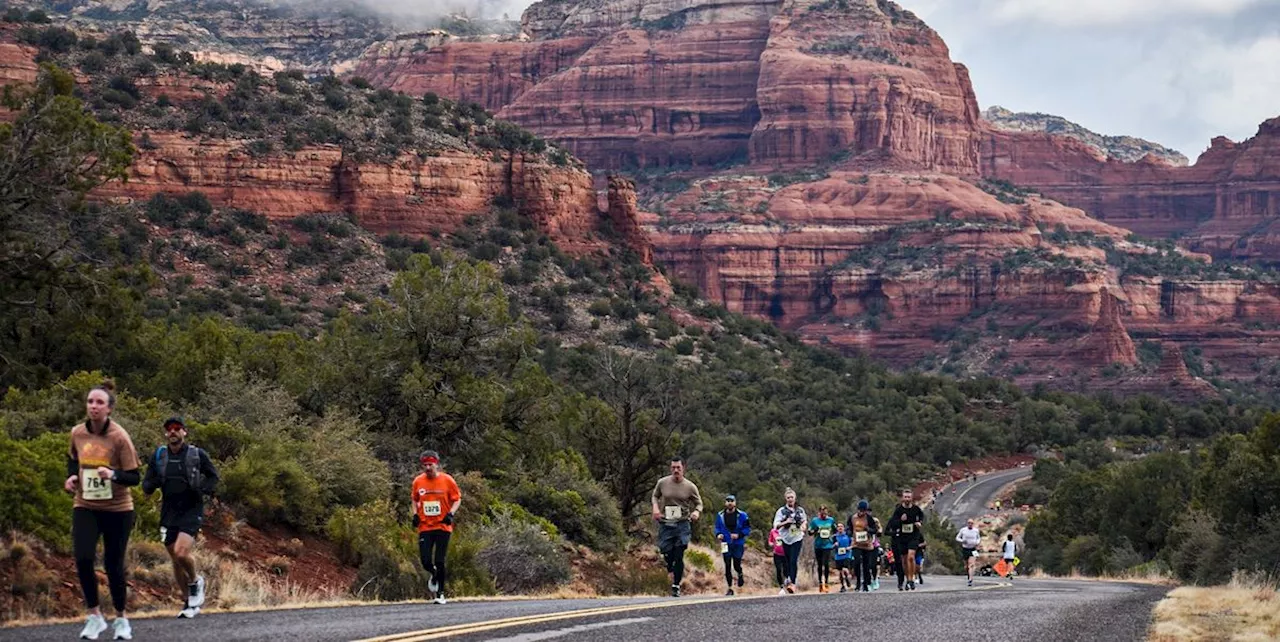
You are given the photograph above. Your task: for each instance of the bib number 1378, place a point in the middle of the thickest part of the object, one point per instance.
(431, 509)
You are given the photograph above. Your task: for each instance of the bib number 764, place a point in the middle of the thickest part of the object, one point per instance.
(94, 487)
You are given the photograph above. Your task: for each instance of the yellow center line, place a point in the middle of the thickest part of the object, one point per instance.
(479, 627)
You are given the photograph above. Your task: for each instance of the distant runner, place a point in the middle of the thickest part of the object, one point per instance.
(101, 466)
(863, 530)
(436, 499)
(183, 474)
(1009, 553)
(822, 529)
(790, 520)
(676, 503)
(732, 528)
(920, 561)
(844, 558)
(906, 526)
(969, 539)
(779, 558)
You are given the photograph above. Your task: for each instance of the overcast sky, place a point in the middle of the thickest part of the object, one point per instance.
(1177, 72)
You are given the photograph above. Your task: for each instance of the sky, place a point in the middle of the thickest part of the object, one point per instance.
(1177, 72)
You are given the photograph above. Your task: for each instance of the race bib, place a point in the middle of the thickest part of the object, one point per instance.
(824, 533)
(431, 509)
(673, 512)
(724, 547)
(842, 551)
(95, 487)
(860, 537)
(908, 528)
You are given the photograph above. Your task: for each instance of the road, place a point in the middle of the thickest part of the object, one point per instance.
(964, 500)
(1040, 610)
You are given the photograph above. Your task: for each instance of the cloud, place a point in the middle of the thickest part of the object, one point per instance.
(1105, 12)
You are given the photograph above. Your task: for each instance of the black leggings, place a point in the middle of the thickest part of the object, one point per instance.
(675, 563)
(780, 569)
(863, 562)
(823, 555)
(793, 560)
(433, 562)
(731, 564)
(114, 528)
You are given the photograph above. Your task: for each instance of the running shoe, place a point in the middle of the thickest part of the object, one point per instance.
(122, 629)
(739, 581)
(440, 599)
(432, 585)
(675, 591)
(196, 591)
(911, 586)
(844, 589)
(729, 593)
(188, 612)
(782, 591)
(875, 585)
(791, 588)
(93, 627)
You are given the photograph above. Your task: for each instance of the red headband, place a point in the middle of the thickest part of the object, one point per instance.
(430, 460)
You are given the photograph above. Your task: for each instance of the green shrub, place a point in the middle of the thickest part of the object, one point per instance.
(600, 308)
(270, 485)
(31, 496)
(700, 560)
(384, 550)
(520, 556)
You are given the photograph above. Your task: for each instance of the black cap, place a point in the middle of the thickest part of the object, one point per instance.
(176, 419)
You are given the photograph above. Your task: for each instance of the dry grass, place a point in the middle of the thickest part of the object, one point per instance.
(1246, 609)
(1153, 577)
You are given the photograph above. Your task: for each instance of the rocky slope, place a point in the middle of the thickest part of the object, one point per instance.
(1226, 204)
(1124, 148)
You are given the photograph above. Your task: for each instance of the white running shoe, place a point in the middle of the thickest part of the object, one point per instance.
(440, 599)
(782, 591)
(122, 629)
(432, 585)
(195, 592)
(93, 627)
(188, 612)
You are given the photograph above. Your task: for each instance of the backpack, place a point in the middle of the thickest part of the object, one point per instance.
(192, 464)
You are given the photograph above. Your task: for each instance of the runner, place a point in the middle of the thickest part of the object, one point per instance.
(879, 557)
(779, 558)
(969, 539)
(864, 529)
(920, 561)
(1009, 553)
(906, 525)
(822, 529)
(184, 475)
(844, 558)
(676, 503)
(101, 465)
(436, 499)
(732, 528)
(790, 521)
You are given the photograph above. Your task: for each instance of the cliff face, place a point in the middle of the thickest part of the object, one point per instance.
(412, 195)
(1226, 204)
(862, 77)
(658, 83)
(1124, 148)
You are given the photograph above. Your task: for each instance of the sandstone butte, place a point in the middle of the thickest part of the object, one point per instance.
(866, 91)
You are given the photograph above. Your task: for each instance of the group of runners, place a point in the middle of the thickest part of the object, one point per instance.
(854, 545)
(102, 465)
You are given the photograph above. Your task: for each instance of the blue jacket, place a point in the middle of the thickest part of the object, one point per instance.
(742, 528)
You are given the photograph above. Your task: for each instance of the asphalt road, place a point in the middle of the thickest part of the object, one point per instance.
(964, 500)
(1040, 610)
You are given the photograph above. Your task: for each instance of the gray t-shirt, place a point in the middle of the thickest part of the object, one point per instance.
(676, 500)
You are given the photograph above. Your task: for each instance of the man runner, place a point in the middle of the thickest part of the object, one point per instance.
(184, 475)
(436, 499)
(676, 503)
(732, 528)
(969, 539)
(863, 529)
(906, 525)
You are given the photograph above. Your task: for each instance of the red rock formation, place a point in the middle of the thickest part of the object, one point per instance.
(1108, 342)
(1227, 204)
(411, 195)
(868, 77)
(624, 216)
